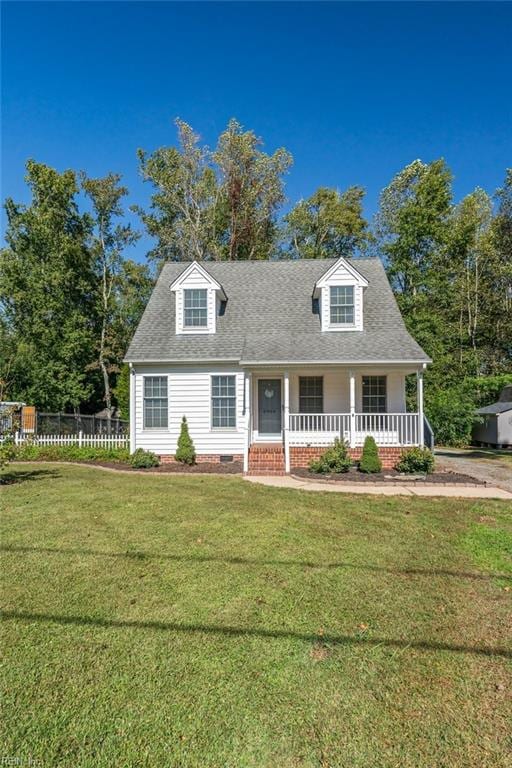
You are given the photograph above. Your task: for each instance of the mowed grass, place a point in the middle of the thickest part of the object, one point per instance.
(194, 621)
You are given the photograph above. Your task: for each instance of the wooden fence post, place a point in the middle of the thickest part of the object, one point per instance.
(80, 438)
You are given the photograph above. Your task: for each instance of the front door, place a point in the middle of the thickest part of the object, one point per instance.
(269, 406)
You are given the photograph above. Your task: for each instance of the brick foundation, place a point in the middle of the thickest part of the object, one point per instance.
(300, 456)
(210, 458)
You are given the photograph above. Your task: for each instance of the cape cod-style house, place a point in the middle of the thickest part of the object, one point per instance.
(272, 360)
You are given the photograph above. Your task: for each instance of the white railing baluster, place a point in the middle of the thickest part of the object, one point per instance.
(393, 429)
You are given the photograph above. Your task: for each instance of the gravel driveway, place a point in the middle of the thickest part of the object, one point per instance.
(495, 467)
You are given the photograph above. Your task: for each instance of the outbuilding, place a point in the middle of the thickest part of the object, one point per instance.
(495, 424)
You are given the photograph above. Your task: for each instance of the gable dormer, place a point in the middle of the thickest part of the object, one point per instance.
(198, 299)
(340, 295)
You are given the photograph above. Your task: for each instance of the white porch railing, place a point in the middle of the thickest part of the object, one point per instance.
(388, 429)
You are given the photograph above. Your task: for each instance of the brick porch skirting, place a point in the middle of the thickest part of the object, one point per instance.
(301, 456)
(201, 458)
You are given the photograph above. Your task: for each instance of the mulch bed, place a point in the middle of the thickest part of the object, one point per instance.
(217, 468)
(390, 477)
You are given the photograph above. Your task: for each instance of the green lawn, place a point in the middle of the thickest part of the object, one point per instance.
(192, 621)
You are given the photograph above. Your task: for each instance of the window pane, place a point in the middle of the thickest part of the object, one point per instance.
(342, 304)
(223, 401)
(155, 412)
(374, 394)
(311, 398)
(195, 312)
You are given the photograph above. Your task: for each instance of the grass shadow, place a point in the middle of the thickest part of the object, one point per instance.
(140, 555)
(22, 476)
(213, 629)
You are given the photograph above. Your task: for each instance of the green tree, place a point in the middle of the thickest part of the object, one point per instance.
(185, 452)
(213, 205)
(498, 316)
(122, 391)
(328, 224)
(412, 232)
(252, 190)
(109, 240)
(45, 292)
(183, 216)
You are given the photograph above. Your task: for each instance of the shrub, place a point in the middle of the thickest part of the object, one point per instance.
(186, 453)
(370, 461)
(31, 451)
(335, 460)
(7, 451)
(416, 460)
(141, 459)
(451, 413)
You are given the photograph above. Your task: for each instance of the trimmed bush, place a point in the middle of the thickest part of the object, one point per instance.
(335, 460)
(141, 459)
(34, 452)
(370, 461)
(414, 460)
(186, 453)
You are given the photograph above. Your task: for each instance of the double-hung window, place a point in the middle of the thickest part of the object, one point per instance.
(342, 305)
(311, 394)
(155, 402)
(223, 401)
(195, 308)
(374, 394)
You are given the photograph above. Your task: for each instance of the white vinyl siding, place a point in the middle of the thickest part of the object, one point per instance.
(196, 282)
(190, 393)
(342, 279)
(223, 402)
(156, 406)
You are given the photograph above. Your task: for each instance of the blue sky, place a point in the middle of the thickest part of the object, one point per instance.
(354, 90)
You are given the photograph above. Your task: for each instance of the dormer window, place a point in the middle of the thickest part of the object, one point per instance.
(342, 305)
(199, 299)
(340, 295)
(195, 308)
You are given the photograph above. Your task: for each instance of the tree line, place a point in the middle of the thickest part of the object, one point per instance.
(71, 296)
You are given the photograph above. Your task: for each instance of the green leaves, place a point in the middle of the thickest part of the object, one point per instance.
(329, 224)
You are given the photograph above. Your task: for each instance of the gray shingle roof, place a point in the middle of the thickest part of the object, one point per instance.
(495, 408)
(269, 318)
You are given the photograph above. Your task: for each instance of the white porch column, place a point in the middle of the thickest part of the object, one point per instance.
(419, 399)
(286, 421)
(352, 379)
(133, 430)
(247, 404)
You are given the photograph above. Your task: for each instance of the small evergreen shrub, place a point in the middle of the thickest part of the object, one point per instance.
(370, 461)
(141, 459)
(335, 460)
(31, 451)
(186, 453)
(413, 460)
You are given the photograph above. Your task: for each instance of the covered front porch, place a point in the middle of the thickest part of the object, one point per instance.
(303, 409)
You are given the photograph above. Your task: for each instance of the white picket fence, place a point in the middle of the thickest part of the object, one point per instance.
(80, 438)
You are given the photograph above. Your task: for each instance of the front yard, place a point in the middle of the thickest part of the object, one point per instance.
(193, 621)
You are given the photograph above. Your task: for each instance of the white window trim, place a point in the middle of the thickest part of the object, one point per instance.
(195, 328)
(223, 429)
(153, 376)
(370, 376)
(342, 326)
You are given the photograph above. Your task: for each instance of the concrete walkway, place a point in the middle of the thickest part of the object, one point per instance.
(459, 491)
